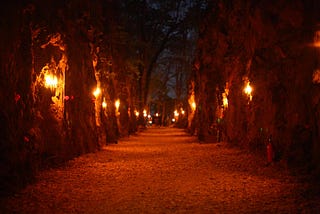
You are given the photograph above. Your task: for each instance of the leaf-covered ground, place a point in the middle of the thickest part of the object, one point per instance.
(164, 170)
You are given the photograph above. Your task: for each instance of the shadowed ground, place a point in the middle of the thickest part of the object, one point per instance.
(164, 170)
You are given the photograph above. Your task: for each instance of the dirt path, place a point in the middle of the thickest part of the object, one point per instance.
(165, 171)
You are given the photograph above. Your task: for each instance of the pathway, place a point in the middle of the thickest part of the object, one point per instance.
(164, 170)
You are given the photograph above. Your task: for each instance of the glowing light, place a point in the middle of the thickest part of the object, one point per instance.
(157, 115)
(182, 112)
(104, 103)
(225, 100)
(192, 102)
(97, 92)
(117, 104)
(173, 120)
(51, 81)
(149, 116)
(316, 76)
(176, 113)
(193, 106)
(145, 113)
(248, 90)
(137, 113)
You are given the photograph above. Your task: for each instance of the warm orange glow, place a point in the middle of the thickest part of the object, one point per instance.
(192, 102)
(51, 81)
(182, 112)
(137, 113)
(225, 100)
(193, 106)
(176, 113)
(117, 104)
(145, 113)
(97, 92)
(157, 115)
(248, 90)
(316, 76)
(104, 104)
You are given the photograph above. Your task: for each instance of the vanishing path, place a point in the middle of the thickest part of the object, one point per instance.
(164, 170)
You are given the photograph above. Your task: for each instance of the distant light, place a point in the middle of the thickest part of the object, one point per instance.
(176, 113)
(173, 120)
(117, 104)
(182, 112)
(149, 116)
(145, 113)
(97, 92)
(316, 76)
(225, 100)
(104, 104)
(137, 113)
(157, 115)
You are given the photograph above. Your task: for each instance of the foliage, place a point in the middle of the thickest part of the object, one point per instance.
(268, 44)
(115, 45)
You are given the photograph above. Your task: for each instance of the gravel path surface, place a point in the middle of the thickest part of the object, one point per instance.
(164, 170)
